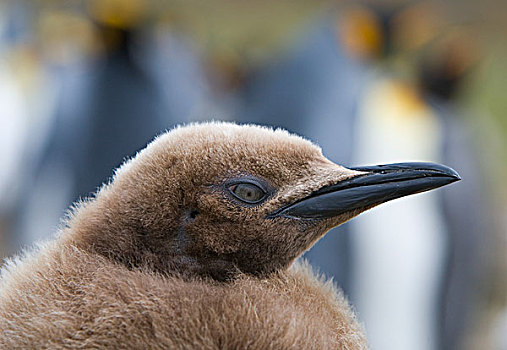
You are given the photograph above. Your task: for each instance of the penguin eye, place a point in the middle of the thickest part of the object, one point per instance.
(248, 192)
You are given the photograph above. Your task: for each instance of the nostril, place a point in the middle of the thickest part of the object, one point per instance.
(193, 214)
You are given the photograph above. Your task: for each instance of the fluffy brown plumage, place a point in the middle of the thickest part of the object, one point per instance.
(167, 256)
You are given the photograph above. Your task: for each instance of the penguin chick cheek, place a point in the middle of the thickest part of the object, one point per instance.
(233, 231)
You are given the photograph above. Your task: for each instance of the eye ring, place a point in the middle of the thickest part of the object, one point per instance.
(248, 192)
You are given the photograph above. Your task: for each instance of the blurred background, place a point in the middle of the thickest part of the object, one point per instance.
(86, 84)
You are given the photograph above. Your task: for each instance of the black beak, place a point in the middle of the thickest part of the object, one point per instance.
(380, 184)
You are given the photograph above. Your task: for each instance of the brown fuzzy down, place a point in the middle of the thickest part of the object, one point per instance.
(69, 299)
(165, 257)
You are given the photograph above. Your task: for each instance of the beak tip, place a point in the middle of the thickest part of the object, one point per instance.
(451, 173)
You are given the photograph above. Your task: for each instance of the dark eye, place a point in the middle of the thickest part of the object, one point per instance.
(248, 192)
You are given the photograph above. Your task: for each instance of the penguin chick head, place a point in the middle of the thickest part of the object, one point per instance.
(216, 199)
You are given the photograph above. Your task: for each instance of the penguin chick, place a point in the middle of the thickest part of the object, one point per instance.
(192, 245)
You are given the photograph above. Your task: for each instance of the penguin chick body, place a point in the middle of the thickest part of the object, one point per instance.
(193, 243)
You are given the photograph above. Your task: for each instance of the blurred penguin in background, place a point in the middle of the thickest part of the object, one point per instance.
(439, 238)
(110, 103)
(441, 74)
(25, 101)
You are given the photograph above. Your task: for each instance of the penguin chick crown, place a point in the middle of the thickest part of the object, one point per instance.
(217, 199)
